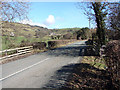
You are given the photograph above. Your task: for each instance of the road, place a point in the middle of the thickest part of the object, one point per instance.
(43, 70)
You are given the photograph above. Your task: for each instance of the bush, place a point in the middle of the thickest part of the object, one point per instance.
(11, 45)
(67, 36)
(25, 43)
(116, 36)
(52, 44)
(39, 45)
(84, 37)
(89, 42)
(112, 51)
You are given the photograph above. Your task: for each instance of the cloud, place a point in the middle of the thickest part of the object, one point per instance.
(50, 20)
(32, 23)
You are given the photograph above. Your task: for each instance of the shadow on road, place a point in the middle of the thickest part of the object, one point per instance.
(60, 77)
(72, 51)
(84, 75)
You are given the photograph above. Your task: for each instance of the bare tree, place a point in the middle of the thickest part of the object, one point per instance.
(16, 9)
(113, 22)
(114, 17)
(10, 11)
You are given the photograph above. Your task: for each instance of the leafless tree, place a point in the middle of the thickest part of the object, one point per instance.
(11, 11)
(113, 21)
(16, 9)
(114, 17)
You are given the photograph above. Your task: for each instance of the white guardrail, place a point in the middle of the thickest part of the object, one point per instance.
(18, 51)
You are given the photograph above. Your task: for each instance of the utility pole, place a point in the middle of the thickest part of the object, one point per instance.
(89, 22)
(90, 26)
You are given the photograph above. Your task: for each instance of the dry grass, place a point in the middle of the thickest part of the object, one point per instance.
(89, 75)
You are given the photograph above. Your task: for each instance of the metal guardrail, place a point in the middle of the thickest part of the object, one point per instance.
(18, 51)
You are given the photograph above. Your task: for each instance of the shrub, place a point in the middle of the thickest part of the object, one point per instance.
(112, 51)
(89, 42)
(25, 43)
(11, 45)
(39, 45)
(52, 44)
(67, 36)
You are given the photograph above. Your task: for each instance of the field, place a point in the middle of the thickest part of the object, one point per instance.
(13, 42)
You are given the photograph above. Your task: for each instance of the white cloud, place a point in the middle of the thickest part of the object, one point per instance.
(50, 20)
(32, 23)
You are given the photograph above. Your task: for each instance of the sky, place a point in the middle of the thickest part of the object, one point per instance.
(56, 15)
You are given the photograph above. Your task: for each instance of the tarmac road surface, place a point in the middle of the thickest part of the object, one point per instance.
(42, 70)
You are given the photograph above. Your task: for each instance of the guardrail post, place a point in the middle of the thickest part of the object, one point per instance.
(17, 51)
(6, 53)
(102, 51)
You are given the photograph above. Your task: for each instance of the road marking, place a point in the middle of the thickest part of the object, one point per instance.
(23, 69)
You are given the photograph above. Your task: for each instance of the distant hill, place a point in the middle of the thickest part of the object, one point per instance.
(26, 30)
(15, 34)
(65, 30)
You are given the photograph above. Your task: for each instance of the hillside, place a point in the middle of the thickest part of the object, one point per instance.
(26, 30)
(65, 30)
(13, 34)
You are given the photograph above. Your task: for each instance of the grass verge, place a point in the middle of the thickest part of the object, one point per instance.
(89, 74)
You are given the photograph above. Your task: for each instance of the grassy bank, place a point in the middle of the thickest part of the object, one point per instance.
(96, 62)
(90, 74)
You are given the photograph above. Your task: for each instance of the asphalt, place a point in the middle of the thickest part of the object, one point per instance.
(44, 70)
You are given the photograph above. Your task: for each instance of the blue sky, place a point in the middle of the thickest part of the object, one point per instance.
(56, 15)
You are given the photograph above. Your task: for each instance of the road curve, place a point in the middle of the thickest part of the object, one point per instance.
(42, 70)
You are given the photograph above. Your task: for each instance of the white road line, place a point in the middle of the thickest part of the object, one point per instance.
(23, 69)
